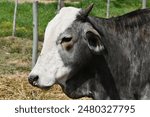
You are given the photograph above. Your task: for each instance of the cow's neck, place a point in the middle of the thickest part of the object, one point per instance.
(117, 43)
(94, 80)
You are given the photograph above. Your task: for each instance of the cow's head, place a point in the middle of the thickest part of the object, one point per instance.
(69, 43)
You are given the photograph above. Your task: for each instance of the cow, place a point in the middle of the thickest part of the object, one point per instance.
(96, 57)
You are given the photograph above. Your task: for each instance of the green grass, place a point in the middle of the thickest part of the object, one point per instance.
(48, 11)
(24, 18)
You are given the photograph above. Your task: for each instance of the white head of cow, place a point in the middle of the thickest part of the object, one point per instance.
(68, 44)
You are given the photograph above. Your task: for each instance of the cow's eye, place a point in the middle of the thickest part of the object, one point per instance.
(66, 39)
(67, 43)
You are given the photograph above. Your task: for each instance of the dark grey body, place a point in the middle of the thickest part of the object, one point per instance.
(127, 41)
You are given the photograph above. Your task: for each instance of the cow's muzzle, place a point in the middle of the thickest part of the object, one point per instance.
(34, 81)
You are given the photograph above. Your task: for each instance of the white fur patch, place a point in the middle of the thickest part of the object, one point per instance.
(49, 67)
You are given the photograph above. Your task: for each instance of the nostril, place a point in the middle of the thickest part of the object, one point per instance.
(33, 79)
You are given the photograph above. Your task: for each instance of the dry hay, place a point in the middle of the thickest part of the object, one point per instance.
(16, 87)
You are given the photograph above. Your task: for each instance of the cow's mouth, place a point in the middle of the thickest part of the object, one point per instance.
(33, 80)
(41, 87)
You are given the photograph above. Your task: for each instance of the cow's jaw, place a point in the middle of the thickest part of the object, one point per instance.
(50, 67)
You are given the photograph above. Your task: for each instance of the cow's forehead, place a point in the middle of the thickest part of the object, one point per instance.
(69, 11)
(60, 23)
(66, 17)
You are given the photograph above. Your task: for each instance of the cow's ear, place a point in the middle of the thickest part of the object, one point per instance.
(94, 43)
